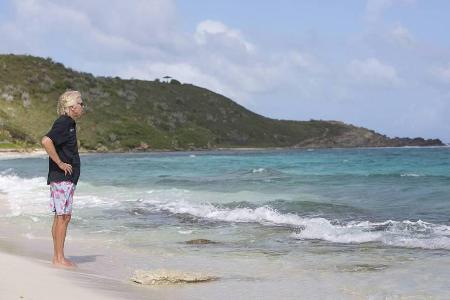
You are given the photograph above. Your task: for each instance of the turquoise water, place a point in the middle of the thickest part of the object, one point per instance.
(398, 197)
(356, 218)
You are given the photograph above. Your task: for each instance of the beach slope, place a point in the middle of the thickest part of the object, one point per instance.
(24, 278)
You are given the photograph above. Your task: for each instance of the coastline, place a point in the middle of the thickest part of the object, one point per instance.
(12, 153)
(15, 153)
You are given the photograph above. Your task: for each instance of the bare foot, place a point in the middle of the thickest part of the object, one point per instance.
(63, 263)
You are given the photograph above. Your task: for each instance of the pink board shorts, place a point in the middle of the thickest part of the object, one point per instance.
(61, 197)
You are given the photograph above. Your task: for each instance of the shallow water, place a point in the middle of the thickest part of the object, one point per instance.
(352, 218)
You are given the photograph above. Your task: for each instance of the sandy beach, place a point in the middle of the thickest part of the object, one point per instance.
(27, 278)
(11, 154)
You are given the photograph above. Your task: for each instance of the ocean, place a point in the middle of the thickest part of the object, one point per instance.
(330, 223)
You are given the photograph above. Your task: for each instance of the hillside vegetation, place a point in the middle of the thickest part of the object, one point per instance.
(133, 114)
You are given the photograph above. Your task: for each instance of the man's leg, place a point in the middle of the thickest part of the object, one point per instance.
(61, 224)
(66, 225)
(54, 237)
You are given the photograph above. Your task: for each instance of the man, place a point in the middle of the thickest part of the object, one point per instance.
(64, 169)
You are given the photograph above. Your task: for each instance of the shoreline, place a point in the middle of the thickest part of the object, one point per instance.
(44, 281)
(19, 152)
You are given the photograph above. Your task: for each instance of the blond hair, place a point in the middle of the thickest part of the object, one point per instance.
(66, 100)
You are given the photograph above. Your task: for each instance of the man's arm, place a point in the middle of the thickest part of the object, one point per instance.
(48, 145)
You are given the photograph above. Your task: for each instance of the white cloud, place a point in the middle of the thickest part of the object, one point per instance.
(304, 61)
(92, 29)
(401, 35)
(442, 74)
(209, 30)
(373, 72)
(139, 21)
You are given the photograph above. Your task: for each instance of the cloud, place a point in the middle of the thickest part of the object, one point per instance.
(401, 35)
(373, 72)
(304, 61)
(87, 29)
(138, 21)
(209, 31)
(442, 74)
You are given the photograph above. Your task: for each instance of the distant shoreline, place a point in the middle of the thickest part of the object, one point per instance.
(36, 152)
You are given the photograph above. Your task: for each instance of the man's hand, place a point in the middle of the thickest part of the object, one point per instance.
(48, 145)
(65, 167)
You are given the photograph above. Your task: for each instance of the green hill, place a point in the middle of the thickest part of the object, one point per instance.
(132, 114)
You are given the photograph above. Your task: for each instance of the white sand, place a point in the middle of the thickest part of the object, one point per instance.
(24, 278)
(18, 154)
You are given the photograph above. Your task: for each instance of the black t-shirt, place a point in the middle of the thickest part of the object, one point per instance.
(64, 137)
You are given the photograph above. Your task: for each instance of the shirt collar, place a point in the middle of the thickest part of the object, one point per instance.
(72, 121)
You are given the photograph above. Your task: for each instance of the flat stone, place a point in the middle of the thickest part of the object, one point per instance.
(200, 242)
(163, 276)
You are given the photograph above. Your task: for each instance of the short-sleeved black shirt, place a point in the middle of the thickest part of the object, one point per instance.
(64, 137)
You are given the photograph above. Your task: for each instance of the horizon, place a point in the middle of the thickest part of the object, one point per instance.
(375, 64)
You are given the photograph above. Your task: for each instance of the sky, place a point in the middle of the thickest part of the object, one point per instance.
(380, 64)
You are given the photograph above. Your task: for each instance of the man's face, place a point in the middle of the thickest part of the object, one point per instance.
(77, 109)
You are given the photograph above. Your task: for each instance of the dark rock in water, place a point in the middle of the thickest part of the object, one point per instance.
(200, 242)
(363, 268)
(162, 276)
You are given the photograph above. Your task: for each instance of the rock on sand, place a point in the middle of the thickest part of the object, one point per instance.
(163, 276)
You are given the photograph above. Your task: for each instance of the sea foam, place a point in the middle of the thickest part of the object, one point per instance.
(24, 193)
(406, 233)
(28, 197)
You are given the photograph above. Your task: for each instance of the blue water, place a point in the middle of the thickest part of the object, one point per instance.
(392, 196)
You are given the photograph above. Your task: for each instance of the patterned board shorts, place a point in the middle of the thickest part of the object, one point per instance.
(61, 197)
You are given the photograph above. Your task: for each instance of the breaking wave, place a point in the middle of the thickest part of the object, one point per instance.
(27, 196)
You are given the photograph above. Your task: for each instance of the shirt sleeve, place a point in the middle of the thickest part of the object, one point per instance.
(59, 132)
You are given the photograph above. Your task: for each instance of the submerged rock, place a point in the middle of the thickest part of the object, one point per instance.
(200, 242)
(163, 276)
(363, 268)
